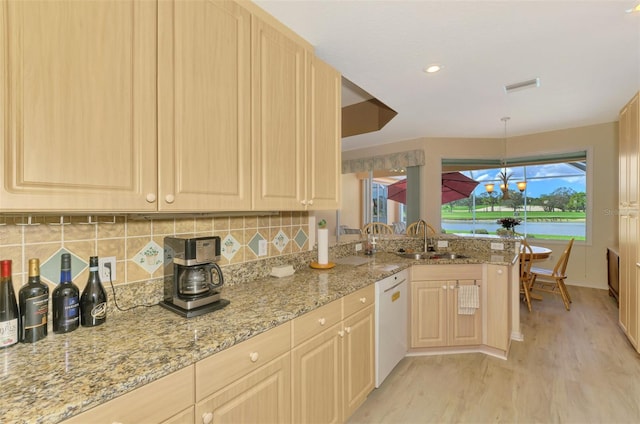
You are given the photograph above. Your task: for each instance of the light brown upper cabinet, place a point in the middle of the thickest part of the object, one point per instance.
(323, 152)
(78, 105)
(170, 106)
(204, 115)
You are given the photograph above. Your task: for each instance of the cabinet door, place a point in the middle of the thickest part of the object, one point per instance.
(279, 67)
(262, 396)
(428, 313)
(317, 378)
(629, 276)
(496, 308)
(359, 359)
(464, 330)
(78, 101)
(629, 155)
(204, 106)
(324, 149)
(184, 417)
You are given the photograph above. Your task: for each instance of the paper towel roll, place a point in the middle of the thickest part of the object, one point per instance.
(323, 246)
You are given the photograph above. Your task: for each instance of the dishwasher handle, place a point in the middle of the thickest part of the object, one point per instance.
(395, 285)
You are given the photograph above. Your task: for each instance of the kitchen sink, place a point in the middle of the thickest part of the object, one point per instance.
(432, 255)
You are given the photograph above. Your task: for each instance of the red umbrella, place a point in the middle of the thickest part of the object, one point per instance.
(456, 186)
(398, 191)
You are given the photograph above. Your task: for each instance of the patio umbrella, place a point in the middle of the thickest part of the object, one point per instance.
(398, 191)
(456, 186)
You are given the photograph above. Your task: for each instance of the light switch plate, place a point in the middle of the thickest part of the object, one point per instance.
(497, 246)
(443, 243)
(358, 247)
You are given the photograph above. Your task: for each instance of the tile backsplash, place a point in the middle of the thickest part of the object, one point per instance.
(137, 243)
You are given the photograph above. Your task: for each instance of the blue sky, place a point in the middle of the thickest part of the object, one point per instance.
(541, 179)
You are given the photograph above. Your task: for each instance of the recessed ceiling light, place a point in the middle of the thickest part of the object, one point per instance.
(432, 69)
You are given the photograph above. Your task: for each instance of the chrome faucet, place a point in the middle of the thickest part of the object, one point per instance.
(424, 225)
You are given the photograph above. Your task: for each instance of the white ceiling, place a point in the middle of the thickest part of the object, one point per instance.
(586, 54)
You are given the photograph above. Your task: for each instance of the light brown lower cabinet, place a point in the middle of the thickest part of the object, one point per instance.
(435, 321)
(167, 400)
(318, 368)
(333, 359)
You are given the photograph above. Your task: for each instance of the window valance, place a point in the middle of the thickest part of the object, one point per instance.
(400, 160)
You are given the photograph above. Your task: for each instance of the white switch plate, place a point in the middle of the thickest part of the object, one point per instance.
(262, 248)
(497, 246)
(443, 243)
(358, 247)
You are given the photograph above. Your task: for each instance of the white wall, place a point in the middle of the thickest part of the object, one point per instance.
(587, 265)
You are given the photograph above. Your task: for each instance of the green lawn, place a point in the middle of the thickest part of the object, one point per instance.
(464, 214)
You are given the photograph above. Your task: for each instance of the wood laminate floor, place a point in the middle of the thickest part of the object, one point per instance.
(572, 367)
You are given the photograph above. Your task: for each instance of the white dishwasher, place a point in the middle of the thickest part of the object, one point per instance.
(392, 302)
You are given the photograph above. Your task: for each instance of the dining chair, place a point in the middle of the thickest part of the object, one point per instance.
(377, 228)
(411, 230)
(552, 280)
(526, 259)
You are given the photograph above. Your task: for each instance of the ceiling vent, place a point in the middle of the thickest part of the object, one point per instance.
(532, 83)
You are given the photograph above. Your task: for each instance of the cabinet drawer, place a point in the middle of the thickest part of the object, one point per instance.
(358, 300)
(223, 368)
(316, 321)
(446, 272)
(152, 403)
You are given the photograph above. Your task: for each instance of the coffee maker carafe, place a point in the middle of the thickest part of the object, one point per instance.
(192, 278)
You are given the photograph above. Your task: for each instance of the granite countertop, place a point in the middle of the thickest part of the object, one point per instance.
(65, 374)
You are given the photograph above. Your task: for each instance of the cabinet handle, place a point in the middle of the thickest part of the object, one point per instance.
(169, 198)
(341, 333)
(322, 321)
(310, 202)
(347, 330)
(452, 287)
(253, 356)
(151, 197)
(304, 202)
(444, 287)
(499, 272)
(207, 418)
(363, 300)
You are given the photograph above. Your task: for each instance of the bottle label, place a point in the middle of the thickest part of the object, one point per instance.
(35, 311)
(99, 311)
(71, 310)
(9, 332)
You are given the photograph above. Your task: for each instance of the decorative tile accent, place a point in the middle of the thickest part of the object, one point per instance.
(280, 241)
(150, 257)
(50, 268)
(254, 244)
(301, 238)
(230, 247)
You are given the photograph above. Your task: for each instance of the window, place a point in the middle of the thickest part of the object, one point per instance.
(552, 206)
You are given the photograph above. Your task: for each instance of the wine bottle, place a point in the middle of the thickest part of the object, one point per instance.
(93, 302)
(65, 300)
(9, 316)
(34, 305)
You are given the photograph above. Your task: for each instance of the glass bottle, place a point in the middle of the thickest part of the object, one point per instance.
(9, 315)
(93, 302)
(34, 305)
(65, 300)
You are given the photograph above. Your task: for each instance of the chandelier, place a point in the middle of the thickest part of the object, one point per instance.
(504, 176)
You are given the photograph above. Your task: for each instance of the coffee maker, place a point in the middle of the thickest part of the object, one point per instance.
(192, 278)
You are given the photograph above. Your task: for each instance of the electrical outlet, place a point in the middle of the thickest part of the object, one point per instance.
(262, 248)
(497, 246)
(103, 271)
(358, 247)
(443, 243)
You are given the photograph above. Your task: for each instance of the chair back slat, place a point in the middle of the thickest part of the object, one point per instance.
(561, 265)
